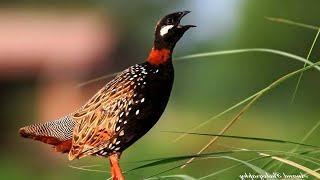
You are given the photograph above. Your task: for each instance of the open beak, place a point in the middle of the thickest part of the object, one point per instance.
(182, 14)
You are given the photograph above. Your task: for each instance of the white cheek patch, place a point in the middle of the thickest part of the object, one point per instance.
(164, 29)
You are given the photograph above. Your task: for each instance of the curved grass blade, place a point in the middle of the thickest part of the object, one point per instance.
(179, 158)
(246, 138)
(216, 53)
(290, 22)
(239, 51)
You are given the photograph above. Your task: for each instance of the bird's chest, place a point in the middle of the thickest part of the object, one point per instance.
(150, 99)
(157, 91)
(153, 96)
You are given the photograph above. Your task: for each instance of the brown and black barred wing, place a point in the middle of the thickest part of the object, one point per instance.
(96, 122)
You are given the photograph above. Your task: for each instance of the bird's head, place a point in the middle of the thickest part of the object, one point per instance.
(167, 33)
(169, 30)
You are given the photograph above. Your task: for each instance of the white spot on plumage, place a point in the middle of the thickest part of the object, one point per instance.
(142, 100)
(121, 133)
(117, 148)
(137, 112)
(165, 29)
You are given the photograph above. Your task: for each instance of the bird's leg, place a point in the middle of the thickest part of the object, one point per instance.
(115, 167)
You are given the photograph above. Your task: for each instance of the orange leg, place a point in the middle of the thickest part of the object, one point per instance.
(115, 167)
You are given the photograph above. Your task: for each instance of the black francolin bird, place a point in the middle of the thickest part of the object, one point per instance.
(123, 110)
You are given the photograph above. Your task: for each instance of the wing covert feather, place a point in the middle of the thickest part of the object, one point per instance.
(97, 119)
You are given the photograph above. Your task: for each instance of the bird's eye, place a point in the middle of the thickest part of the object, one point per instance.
(169, 21)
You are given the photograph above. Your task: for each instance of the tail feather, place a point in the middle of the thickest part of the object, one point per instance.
(57, 133)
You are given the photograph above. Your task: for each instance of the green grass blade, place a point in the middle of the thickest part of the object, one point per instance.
(178, 158)
(290, 22)
(216, 53)
(239, 51)
(246, 138)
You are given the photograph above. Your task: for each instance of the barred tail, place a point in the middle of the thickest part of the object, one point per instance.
(57, 133)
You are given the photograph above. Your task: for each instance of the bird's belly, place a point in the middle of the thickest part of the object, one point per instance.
(139, 126)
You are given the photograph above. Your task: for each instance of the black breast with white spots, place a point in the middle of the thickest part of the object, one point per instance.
(152, 86)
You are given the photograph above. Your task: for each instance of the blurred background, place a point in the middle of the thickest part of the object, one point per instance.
(47, 49)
